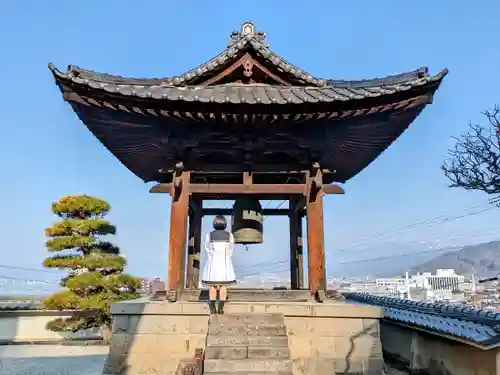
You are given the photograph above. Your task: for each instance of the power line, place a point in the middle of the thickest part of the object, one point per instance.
(278, 206)
(437, 220)
(26, 269)
(267, 266)
(427, 221)
(395, 256)
(483, 232)
(425, 224)
(4, 277)
(255, 273)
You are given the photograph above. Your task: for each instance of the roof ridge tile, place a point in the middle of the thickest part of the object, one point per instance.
(459, 312)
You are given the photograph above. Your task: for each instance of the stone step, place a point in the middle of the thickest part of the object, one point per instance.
(247, 341)
(243, 352)
(271, 352)
(247, 330)
(250, 295)
(247, 365)
(249, 319)
(226, 352)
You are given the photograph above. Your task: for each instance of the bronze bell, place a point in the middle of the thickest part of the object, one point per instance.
(247, 221)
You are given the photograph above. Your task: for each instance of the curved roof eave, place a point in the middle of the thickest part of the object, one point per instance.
(338, 91)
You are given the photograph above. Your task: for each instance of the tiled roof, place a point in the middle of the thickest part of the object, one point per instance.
(11, 305)
(480, 327)
(339, 91)
(143, 121)
(246, 39)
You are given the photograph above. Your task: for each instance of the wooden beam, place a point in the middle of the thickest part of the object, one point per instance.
(332, 189)
(178, 234)
(296, 260)
(229, 211)
(240, 189)
(239, 63)
(315, 239)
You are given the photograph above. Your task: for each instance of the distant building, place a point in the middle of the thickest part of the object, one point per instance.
(147, 285)
(391, 282)
(443, 280)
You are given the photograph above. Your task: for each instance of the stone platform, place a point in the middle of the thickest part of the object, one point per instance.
(323, 338)
(251, 295)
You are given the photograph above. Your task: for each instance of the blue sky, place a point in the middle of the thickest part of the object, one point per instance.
(46, 152)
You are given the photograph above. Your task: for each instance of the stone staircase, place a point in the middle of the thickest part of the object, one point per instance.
(247, 344)
(251, 295)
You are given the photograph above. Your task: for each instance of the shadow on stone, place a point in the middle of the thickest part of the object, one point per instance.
(154, 337)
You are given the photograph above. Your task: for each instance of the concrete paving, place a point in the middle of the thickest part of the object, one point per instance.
(52, 360)
(61, 360)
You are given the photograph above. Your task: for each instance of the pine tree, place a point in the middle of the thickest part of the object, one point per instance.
(95, 279)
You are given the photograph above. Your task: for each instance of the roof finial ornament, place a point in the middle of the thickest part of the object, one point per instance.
(247, 31)
(247, 28)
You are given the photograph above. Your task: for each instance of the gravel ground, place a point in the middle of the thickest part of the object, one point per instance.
(62, 360)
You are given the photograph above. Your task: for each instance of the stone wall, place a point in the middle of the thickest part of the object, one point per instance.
(28, 326)
(152, 337)
(335, 338)
(436, 354)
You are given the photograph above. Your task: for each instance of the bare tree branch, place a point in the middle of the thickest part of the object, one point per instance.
(474, 163)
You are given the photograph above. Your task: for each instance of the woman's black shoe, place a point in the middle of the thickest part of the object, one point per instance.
(213, 310)
(220, 308)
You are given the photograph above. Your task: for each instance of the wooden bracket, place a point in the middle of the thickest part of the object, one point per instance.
(179, 168)
(177, 180)
(317, 176)
(315, 182)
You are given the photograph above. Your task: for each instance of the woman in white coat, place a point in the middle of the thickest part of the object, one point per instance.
(219, 270)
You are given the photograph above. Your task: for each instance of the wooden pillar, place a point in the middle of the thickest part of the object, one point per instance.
(315, 238)
(300, 251)
(194, 244)
(178, 232)
(296, 261)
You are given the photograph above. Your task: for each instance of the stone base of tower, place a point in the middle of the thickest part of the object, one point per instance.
(323, 338)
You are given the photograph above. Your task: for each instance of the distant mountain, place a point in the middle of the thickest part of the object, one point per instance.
(388, 259)
(481, 259)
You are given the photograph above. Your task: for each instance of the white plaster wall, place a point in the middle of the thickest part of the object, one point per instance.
(19, 326)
